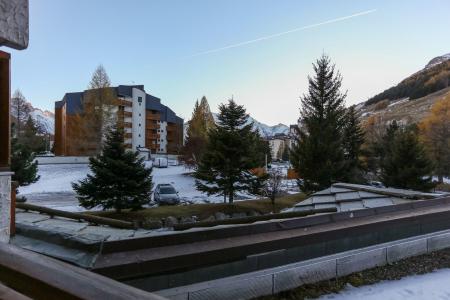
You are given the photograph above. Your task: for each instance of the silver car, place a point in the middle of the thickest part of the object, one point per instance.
(166, 194)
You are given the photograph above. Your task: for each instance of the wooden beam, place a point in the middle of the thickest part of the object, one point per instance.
(40, 277)
(5, 92)
(77, 216)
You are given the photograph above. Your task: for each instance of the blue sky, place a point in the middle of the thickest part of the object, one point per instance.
(156, 42)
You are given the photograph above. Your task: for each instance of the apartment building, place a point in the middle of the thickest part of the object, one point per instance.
(149, 125)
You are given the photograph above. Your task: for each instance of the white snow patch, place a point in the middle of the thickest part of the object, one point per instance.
(433, 285)
(58, 179)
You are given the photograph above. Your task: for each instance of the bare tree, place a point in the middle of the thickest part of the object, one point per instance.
(20, 110)
(273, 184)
(98, 114)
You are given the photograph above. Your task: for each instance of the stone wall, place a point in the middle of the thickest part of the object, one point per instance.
(275, 280)
(5, 206)
(14, 23)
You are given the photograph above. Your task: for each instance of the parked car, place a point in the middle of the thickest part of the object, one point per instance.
(377, 184)
(166, 194)
(161, 162)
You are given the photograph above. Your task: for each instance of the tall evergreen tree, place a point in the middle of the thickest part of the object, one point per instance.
(405, 163)
(197, 133)
(318, 154)
(225, 166)
(353, 139)
(119, 178)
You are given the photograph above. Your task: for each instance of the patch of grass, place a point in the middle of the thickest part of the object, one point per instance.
(202, 211)
(443, 187)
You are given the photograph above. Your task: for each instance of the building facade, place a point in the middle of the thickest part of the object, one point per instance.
(149, 126)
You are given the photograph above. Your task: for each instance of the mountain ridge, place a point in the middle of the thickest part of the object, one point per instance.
(433, 77)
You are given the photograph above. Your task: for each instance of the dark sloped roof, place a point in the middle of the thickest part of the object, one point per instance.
(126, 90)
(347, 197)
(74, 102)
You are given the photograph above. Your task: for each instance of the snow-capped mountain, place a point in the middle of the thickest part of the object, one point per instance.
(438, 60)
(264, 129)
(44, 119)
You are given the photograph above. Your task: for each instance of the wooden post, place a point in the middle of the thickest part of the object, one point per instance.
(12, 228)
(5, 91)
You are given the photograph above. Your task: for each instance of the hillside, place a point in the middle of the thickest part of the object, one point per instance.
(434, 77)
(403, 110)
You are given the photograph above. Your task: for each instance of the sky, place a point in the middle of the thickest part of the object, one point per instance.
(258, 52)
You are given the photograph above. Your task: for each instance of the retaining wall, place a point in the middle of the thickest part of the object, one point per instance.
(50, 160)
(275, 280)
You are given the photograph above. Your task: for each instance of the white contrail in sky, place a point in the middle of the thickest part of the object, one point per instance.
(263, 38)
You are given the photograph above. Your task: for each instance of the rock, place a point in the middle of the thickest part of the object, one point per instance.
(220, 216)
(209, 219)
(187, 220)
(170, 221)
(152, 224)
(239, 215)
(253, 213)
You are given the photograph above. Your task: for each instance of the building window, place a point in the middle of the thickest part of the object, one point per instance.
(140, 100)
(139, 115)
(139, 136)
(139, 124)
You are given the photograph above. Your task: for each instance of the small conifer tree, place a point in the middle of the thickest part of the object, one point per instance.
(405, 163)
(23, 164)
(229, 156)
(119, 177)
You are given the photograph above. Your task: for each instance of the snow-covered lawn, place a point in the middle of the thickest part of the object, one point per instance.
(433, 285)
(54, 185)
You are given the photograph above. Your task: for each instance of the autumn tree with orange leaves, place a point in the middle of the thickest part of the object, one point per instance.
(435, 133)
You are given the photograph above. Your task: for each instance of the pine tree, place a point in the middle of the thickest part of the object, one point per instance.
(405, 163)
(23, 164)
(353, 139)
(197, 134)
(31, 138)
(225, 166)
(318, 154)
(119, 178)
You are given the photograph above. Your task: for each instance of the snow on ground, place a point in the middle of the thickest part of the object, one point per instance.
(433, 285)
(54, 189)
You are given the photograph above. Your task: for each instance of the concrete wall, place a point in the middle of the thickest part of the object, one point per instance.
(163, 138)
(14, 23)
(5, 206)
(138, 132)
(275, 280)
(50, 160)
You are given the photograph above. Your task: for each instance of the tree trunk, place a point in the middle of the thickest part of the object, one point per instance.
(230, 197)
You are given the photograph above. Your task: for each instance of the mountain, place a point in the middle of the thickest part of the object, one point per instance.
(434, 77)
(266, 131)
(45, 120)
(438, 60)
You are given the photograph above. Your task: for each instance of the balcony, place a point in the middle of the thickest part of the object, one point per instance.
(123, 102)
